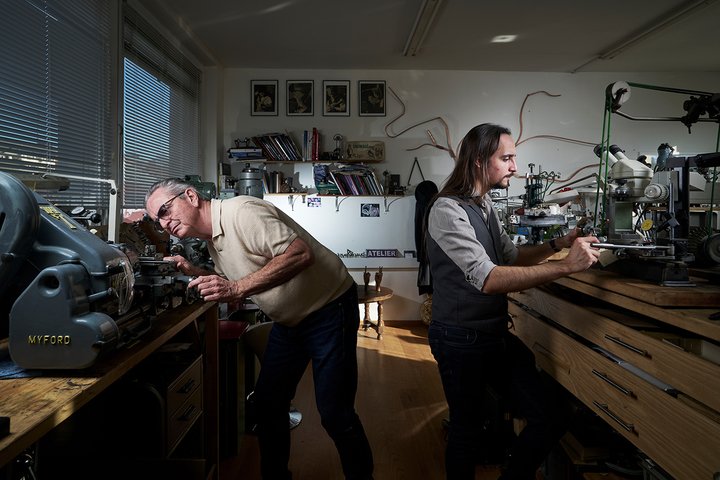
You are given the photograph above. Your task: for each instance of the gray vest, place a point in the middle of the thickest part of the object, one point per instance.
(457, 302)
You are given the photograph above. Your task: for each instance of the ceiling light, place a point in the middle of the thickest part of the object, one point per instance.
(503, 38)
(420, 29)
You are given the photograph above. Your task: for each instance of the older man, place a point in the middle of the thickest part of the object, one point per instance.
(261, 253)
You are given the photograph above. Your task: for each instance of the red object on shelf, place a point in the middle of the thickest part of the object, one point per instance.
(315, 145)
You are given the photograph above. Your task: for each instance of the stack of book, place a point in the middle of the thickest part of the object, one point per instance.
(311, 145)
(355, 180)
(278, 146)
(245, 153)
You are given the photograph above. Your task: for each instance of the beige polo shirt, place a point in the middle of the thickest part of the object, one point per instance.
(248, 232)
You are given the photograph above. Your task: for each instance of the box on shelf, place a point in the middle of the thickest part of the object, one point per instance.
(357, 151)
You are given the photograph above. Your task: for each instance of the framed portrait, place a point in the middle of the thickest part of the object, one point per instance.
(371, 98)
(300, 97)
(370, 210)
(264, 97)
(336, 98)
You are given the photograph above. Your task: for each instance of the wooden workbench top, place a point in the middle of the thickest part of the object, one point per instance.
(702, 294)
(35, 405)
(689, 308)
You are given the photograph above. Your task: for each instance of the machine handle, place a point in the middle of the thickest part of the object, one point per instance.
(604, 408)
(624, 390)
(624, 247)
(632, 348)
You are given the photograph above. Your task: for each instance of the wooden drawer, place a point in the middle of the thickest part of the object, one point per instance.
(688, 373)
(180, 421)
(684, 440)
(180, 389)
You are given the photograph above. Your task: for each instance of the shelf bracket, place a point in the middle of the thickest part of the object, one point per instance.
(292, 198)
(387, 205)
(338, 202)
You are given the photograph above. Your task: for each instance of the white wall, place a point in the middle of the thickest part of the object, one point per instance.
(463, 99)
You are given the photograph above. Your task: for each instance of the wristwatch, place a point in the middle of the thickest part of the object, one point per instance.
(553, 246)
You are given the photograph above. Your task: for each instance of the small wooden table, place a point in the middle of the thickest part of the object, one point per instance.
(368, 295)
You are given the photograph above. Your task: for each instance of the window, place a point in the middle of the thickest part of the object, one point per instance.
(55, 94)
(161, 111)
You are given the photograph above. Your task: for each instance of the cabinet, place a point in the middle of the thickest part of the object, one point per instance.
(649, 369)
(167, 394)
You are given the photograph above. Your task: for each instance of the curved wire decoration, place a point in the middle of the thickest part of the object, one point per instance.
(433, 142)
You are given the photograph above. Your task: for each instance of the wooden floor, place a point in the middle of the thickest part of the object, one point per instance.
(400, 402)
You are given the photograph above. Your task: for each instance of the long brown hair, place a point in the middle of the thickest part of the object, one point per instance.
(479, 144)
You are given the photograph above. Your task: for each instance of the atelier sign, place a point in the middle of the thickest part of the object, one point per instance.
(389, 253)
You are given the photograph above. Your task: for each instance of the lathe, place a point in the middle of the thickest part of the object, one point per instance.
(66, 296)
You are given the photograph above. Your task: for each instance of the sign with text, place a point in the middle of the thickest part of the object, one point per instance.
(382, 253)
(360, 151)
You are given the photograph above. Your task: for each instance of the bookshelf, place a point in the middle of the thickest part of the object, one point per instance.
(339, 199)
(327, 176)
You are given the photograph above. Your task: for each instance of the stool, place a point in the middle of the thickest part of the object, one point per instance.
(367, 294)
(256, 339)
(237, 377)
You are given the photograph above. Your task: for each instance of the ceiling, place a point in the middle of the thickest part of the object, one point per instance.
(552, 35)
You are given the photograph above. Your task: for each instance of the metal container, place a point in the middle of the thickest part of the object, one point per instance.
(249, 182)
(276, 179)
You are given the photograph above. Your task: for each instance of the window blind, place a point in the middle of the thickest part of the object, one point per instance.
(161, 110)
(55, 94)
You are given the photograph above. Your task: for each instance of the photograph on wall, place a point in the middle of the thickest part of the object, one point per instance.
(300, 97)
(370, 210)
(264, 94)
(371, 98)
(314, 202)
(336, 98)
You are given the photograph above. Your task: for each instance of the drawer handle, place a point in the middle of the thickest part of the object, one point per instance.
(188, 386)
(624, 390)
(639, 351)
(627, 426)
(187, 414)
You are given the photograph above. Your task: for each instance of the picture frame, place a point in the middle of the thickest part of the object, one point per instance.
(300, 97)
(263, 97)
(370, 210)
(336, 98)
(371, 98)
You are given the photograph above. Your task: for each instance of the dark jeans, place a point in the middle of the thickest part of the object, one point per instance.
(469, 361)
(328, 338)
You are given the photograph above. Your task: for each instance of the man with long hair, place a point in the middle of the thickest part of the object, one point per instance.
(473, 265)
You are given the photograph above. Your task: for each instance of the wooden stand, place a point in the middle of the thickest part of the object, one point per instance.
(369, 295)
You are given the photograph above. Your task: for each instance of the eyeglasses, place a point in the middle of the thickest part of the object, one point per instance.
(165, 208)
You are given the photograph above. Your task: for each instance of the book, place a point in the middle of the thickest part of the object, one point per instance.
(245, 152)
(354, 180)
(278, 147)
(315, 152)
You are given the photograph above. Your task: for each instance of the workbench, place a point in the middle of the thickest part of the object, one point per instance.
(37, 405)
(644, 358)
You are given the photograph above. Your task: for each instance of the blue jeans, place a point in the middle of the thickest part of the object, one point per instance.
(469, 361)
(328, 338)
